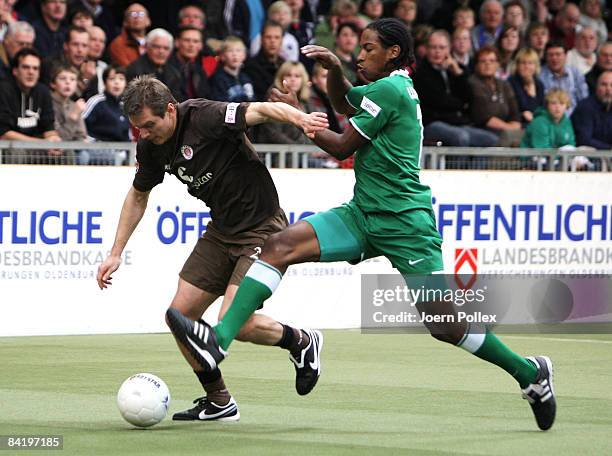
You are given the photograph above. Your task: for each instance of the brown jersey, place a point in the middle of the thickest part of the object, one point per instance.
(210, 153)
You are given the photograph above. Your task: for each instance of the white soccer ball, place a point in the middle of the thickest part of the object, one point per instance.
(143, 400)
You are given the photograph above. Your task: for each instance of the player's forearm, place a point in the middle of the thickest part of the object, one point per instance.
(132, 211)
(333, 144)
(337, 88)
(273, 111)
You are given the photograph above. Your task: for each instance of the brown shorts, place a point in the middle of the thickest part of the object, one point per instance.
(219, 260)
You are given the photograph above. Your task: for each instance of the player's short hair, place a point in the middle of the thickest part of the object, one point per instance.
(62, 66)
(146, 92)
(559, 95)
(392, 32)
(112, 69)
(229, 41)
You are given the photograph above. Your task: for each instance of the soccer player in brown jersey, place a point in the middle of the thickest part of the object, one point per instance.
(203, 143)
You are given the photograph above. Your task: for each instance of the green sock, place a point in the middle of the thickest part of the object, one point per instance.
(258, 285)
(488, 347)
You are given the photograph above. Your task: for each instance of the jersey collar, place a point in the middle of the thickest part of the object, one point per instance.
(403, 73)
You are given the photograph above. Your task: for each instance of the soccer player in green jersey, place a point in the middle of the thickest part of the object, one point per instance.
(390, 214)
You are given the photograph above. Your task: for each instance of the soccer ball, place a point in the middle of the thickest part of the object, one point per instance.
(143, 400)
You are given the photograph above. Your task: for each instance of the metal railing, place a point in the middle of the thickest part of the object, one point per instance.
(309, 156)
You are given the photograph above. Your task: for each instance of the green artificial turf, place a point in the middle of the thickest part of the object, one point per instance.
(378, 394)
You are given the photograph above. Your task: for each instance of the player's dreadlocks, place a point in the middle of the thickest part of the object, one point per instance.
(392, 32)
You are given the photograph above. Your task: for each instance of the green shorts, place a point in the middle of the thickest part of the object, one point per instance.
(409, 239)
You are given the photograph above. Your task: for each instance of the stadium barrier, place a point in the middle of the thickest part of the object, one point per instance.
(310, 156)
(55, 231)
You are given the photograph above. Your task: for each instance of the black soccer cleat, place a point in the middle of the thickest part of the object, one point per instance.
(541, 394)
(206, 410)
(308, 367)
(198, 337)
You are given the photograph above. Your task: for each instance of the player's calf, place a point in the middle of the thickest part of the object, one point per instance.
(198, 337)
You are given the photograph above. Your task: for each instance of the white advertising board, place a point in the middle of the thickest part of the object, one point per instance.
(58, 223)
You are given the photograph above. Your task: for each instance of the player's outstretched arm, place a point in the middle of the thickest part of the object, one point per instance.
(132, 211)
(267, 111)
(337, 145)
(337, 85)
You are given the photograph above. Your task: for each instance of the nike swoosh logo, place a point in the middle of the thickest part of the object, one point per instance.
(315, 364)
(413, 262)
(203, 415)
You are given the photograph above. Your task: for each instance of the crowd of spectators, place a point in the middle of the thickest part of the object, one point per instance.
(529, 73)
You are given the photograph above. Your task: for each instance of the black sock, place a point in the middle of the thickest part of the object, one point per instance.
(285, 341)
(213, 384)
(294, 340)
(206, 378)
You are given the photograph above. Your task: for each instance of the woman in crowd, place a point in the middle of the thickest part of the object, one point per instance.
(527, 87)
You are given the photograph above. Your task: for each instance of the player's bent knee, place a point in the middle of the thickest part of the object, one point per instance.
(444, 338)
(451, 334)
(187, 311)
(278, 250)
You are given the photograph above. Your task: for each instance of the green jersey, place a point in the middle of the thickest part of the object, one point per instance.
(387, 166)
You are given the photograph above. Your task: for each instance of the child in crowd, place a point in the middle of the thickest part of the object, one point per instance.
(550, 127)
(229, 82)
(68, 121)
(105, 120)
(464, 17)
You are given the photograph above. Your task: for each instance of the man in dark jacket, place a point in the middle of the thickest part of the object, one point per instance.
(263, 67)
(603, 63)
(155, 62)
(592, 118)
(194, 82)
(445, 96)
(26, 108)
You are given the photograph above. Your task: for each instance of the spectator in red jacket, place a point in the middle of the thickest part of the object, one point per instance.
(130, 44)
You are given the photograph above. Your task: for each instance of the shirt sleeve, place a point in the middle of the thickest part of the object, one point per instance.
(47, 116)
(148, 172)
(354, 95)
(376, 107)
(215, 119)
